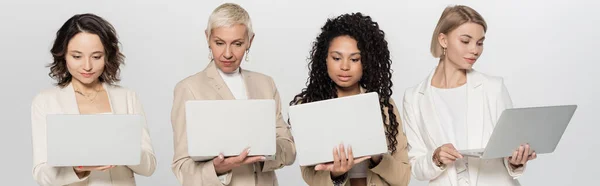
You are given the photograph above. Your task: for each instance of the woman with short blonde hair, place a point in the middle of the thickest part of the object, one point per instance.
(229, 35)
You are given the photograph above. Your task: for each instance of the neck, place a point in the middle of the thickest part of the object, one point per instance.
(448, 75)
(86, 88)
(348, 91)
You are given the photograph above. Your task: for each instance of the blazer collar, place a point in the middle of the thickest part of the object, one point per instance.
(217, 83)
(474, 80)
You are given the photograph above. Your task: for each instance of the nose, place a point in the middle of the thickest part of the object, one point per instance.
(87, 66)
(345, 65)
(475, 49)
(227, 53)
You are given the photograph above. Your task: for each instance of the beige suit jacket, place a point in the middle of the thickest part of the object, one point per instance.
(208, 85)
(62, 101)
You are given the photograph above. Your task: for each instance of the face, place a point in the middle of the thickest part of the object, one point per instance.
(85, 57)
(463, 45)
(344, 62)
(228, 46)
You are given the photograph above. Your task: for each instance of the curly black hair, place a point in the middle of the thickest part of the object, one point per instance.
(375, 59)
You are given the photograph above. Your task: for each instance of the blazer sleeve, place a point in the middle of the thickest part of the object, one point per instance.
(419, 156)
(286, 150)
(395, 168)
(187, 171)
(148, 160)
(504, 102)
(44, 174)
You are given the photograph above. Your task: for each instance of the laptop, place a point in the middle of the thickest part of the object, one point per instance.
(229, 126)
(320, 126)
(93, 140)
(540, 127)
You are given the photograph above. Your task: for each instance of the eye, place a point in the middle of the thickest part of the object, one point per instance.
(219, 43)
(97, 57)
(239, 44)
(335, 58)
(76, 57)
(480, 44)
(465, 42)
(355, 60)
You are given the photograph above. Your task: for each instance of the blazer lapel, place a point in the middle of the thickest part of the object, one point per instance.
(68, 101)
(475, 111)
(217, 83)
(430, 116)
(115, 100)
(251, 89)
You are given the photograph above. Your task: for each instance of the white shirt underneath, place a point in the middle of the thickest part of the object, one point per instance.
(451, 106)
(235, 83)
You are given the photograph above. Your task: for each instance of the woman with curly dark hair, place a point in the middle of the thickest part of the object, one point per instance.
(351, 57)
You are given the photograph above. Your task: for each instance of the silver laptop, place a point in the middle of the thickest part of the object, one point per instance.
(540, 127)
(94, 140)
(229, 126)
(320, 126)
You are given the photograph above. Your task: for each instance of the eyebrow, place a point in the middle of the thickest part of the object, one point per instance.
(339, 53)
(471, 37)
(96, 52)
(239, 39)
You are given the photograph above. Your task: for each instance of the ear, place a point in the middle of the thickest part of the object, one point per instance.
(250, 43)
(443, 40)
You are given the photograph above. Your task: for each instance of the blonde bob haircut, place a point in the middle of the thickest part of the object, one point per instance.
(227, 15)
(452, 18)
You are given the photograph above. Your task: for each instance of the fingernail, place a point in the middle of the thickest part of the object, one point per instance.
(263, 158)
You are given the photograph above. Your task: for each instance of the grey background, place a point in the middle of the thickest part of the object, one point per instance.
(547, 51)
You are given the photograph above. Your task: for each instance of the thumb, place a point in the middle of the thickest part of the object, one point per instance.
(219, 159)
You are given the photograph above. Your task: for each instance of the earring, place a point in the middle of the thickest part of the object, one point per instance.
(247, 58)
(444, 52)
(210, 55)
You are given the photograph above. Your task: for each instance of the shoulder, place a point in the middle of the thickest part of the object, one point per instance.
(46, 95)
(492, 84)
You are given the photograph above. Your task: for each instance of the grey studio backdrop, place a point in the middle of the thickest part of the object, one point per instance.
(547, 52)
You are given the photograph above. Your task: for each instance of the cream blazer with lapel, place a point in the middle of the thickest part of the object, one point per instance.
(487, 97)
(208, 85)
(62, 101)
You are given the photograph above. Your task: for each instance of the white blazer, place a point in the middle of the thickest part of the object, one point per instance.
(62, 101)
(487, 98)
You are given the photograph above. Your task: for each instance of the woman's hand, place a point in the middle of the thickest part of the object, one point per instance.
(445, 154)
(342, 162)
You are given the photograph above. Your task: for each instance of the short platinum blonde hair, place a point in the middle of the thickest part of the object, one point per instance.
(227, 15)
(452, 18)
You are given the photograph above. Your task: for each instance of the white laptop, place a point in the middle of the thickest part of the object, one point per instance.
(94, 140)
(320, 126)
(229, 126)
(540, 127)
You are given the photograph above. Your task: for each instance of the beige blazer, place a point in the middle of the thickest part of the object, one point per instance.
(487, 97)
(393, 170)
(62, 101)
(208, 85)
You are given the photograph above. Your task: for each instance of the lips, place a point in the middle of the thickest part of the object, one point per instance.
(471, 60)
(344, 78)
(87, 75)
(228, 63)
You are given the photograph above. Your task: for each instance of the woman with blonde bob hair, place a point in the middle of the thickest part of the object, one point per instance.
(229, 35)
(456, 107)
